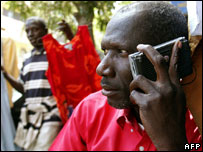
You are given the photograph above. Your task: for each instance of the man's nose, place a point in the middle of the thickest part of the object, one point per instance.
(105, 68)
(30, 33)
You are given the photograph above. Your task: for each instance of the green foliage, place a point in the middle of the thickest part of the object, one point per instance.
(103, 13)
(95, 14)
(71, 11)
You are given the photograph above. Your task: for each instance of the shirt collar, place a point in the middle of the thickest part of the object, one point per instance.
(37, 52)
(125, 116)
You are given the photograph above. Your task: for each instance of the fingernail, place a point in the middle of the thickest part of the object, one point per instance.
(166, 58)
(132, 92)
(179, 45)
(140, 45)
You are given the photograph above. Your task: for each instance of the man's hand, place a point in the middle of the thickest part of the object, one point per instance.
(162, 103)
(65, 28)
(3, 70)
(14, 83)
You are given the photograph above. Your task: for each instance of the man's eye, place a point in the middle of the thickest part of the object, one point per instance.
(105, 51)
(123, 52)
(35, 29)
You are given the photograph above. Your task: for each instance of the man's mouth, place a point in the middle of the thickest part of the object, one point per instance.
(108, 91)
(33, 40)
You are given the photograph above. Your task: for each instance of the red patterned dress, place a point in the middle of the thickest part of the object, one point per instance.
(72, 69)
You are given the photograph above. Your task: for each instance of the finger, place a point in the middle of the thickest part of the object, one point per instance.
(141, 84)
(173, 73)
(61, 27)
(136, 97)
(166, 58)
(59, 23)
(62, 22)
(2, 68)
(139, 99)
(157, 60)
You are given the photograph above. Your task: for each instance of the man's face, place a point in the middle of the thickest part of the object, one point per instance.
(119, 41)
(35, 32)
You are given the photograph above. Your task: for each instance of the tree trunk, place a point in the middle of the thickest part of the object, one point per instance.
(85, 16)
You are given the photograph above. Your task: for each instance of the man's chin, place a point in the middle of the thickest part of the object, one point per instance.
(37, 45)
(123, 104)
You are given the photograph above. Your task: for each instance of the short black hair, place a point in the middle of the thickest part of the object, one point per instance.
(163, 21)
(39, 20)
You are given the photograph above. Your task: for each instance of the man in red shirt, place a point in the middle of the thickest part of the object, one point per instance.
(135, 114)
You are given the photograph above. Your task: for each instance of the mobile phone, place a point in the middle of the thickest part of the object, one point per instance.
(140, 64)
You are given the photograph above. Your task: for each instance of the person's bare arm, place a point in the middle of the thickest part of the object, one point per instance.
(14, 83)
(65, 28)
(162, 104)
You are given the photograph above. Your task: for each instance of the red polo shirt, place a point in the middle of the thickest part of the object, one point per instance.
(96, 126)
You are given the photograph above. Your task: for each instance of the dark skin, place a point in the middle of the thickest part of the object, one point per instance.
(65, 28)
(159, 102)
(35, 31)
